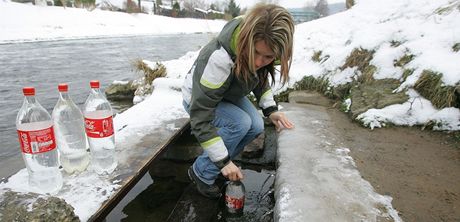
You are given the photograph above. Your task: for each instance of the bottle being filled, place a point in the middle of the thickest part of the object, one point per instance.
(234, 199)
(99, 130)
(69, 130)
(38, 145)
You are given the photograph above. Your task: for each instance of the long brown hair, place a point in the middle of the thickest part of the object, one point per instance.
(274, 25)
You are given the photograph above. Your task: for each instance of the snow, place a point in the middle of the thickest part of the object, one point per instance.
(52, 23)
(420, 29)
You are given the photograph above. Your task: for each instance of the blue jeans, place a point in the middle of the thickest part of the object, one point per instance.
(238, 124)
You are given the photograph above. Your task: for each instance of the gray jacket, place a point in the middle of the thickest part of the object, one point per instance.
(211, 80)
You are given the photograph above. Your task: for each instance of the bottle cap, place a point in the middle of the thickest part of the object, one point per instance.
(63, 87)
(28, 91)
(94, 83)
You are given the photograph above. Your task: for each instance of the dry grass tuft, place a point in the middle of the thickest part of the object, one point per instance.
(359, 58)
(430, 86)
(316, 56)
(407, 73)
(404, 60)
(150, 74)
(395, 43)
(456, 47)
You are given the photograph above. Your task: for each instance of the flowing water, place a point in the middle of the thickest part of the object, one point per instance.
(44, 65)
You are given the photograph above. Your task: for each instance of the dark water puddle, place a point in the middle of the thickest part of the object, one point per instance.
(166, 194)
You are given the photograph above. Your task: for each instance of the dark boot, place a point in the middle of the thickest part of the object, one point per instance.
(210, 191)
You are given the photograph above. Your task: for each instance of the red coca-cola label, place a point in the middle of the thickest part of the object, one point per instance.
(99, 128)
(234, 203)
(37, 141)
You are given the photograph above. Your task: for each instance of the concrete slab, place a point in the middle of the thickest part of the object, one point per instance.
(316, 179)
(309, 97)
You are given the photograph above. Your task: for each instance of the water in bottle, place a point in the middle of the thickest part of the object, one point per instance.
(69, 130)
(38, 145)
(99, 130)
(234, 199)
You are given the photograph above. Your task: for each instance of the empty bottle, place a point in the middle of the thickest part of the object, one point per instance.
(99, 130)
(69, 130)
(234, 199)
(38, 145)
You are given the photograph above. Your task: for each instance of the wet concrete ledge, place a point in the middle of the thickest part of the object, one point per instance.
(316, 179)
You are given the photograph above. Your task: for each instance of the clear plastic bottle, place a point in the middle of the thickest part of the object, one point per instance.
(234, 199)
(99, 129)
(38, 145)
(69, 130)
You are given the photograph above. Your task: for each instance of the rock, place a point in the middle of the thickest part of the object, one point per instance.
(255, 148)
(185, 149)
(267, 155)
(121, 91)
(309, 97)
(34, 207)
(375, 94)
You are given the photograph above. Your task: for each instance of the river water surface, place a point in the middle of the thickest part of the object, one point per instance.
(44, 65)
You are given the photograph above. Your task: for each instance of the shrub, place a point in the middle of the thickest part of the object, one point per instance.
(130, 6)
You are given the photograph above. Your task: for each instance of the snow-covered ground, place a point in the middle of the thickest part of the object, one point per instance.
(22, 23)
(371, 24)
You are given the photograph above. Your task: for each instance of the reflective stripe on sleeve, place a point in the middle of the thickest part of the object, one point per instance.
(217, 70)
(266, 100)
(215, 148)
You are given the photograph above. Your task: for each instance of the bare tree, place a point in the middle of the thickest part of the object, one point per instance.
(322, 8)
(309, 5)
(190, 5)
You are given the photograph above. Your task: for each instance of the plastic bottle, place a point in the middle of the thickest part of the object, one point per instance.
(99, 130)
(69, 130)
(38, 145)
(234, 199)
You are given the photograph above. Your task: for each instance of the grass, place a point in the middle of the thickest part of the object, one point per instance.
(359, 58)
(150, 74)
(407, 73)
(320, 85)
(367, 74)
(395, 43)
(430, 86)
(456, 47)
(404, 60)
(448, 9)
(316, 56)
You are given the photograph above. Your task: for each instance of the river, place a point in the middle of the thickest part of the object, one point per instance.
(44, 65)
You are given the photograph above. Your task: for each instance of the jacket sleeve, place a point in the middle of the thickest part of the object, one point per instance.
(265, 99)
(211, 78)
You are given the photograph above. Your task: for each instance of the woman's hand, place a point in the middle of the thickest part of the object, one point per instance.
(281, 121)
(232, 172)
